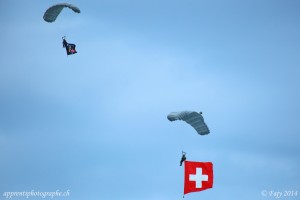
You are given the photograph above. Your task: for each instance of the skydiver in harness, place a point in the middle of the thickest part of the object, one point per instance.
(65, 43)
(70, 48)
(183, 158)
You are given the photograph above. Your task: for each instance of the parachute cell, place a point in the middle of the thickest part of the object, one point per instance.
(195, 119)
(51, 13)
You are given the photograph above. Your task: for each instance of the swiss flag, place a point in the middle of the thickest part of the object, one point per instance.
(198, 176)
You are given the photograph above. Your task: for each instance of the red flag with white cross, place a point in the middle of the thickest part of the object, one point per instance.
(198, 176)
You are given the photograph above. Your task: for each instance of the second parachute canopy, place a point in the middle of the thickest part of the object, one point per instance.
(195, 119)
(51, 13)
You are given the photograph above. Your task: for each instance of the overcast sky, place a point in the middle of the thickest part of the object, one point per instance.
(95, 123)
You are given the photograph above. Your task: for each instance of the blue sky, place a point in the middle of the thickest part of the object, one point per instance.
(95, 123)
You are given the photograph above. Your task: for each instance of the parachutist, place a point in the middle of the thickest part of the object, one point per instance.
(70, 48)
(65, 43)
(183, 158)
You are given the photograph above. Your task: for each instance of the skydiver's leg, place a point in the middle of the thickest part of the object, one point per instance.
(67, 49)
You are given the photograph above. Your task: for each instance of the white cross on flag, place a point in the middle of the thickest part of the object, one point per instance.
(198, 176)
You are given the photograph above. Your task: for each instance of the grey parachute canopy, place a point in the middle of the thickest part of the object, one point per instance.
(51, 13)
(195, 119)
